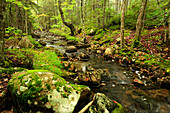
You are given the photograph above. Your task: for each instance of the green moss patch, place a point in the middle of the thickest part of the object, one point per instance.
(119, 109)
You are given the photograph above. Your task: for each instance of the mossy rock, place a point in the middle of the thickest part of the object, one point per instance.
(40, 90)
(103, 104)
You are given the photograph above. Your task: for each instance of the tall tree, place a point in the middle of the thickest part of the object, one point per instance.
(2, 30)
(122, 24)
(82, 17)
(71, 26)
(117, 2)
(104, 7)
(139, 22)
(169, 28)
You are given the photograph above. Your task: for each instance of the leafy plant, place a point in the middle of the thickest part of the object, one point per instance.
(13, 30)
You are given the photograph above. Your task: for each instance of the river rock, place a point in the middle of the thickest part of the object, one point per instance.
(83, 56)
(25, 42)
(109, 52)
(102, 104)
(71, 49)
(42, 43)
(137, 82)
(42, 91)
(35, 35)
(91, 77)
(72, 42)
(60, 54)
(82, 45)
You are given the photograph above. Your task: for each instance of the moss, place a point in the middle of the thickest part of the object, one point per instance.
(120, 109)
(60, 83)
(44, 98)
(56, 77)
(64, 95)
(78, 87)
(36, 70)
(48, 86)
(37, 80)
(68, 89)
(21, 76)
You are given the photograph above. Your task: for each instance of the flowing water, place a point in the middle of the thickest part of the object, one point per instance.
(119, 85)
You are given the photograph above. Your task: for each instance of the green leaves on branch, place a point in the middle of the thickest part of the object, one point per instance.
(18, 3)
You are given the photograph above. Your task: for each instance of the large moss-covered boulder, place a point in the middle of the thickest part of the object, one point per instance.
(43, 91)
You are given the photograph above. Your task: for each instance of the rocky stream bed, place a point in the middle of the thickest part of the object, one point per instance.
(117, 82)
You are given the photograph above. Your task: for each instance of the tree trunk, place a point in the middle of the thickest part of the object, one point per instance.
(117, 2)
(122, 25)
(104, 7)
(26, 19)
(2, 30)
(11, 15)
(169, 29)
(82, 17)
(72, 28)
(139, 22)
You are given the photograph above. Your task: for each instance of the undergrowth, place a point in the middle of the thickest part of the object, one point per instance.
(63, 34)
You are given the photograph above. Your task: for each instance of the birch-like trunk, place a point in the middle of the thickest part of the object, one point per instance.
(82, 17)
(122, 25)
(104, 7)
(139, 22)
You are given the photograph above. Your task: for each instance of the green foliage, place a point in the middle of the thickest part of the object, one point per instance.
(10, 70)
(19, 58)
(61, 33)
(34, 42)
(11, 38)
(55, 26)
(115, 21)
(100, 31)
(13, 30)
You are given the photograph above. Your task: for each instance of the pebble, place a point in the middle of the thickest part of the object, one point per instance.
(113, 85)
(144, 99)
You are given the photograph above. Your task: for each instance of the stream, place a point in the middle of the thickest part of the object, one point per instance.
(118, 86)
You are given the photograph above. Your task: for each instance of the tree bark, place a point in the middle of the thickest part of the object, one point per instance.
(2, 30)
(117, 2)
(26, 19)
(122, 25)
(104, 7)
(139, 22)
(169, 29)
(72, 28)
(82, 17)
